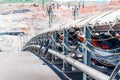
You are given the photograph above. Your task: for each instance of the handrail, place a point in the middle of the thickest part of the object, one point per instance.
(95, 74)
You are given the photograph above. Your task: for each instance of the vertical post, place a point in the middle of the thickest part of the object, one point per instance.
(53, 45)
(75, 10)
(83, 5)
(65, 41)
(68, 4)
(66, 67)
(47, 44)
(87, 55)
(79, 3)
(53, 40)
(50, 16)
(43, 4)
(41, 41)
(50, 13)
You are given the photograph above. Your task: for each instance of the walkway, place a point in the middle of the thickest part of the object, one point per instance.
(24, 66)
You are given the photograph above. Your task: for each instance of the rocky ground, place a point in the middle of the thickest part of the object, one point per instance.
(32, 18)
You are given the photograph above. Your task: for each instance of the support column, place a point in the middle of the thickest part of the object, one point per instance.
(53, 40)
(53, 46)
(66, 67)
(50, 14)
(41, 42)
(87, 55)
(47, 46)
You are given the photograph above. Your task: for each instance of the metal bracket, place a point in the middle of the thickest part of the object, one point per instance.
(115, 71)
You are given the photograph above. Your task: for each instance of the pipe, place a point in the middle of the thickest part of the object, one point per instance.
(97, 75)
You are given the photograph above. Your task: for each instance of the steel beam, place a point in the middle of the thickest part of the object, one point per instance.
(53, 45)
(86, 56)
(65, 41)
(66, 67)
(95, 74)
(115, 71)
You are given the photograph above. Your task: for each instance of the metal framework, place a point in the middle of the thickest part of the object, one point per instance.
(57, 41)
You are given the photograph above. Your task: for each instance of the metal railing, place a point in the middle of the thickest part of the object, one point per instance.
(95, 74)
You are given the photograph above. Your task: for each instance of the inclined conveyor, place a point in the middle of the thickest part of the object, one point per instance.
(73, 43)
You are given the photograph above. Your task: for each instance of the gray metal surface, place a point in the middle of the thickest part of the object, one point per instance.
(84, 68)
(24, 66)
(95, 74)
(115, 71)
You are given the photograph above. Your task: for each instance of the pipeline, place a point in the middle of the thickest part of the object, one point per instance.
(82, 67)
